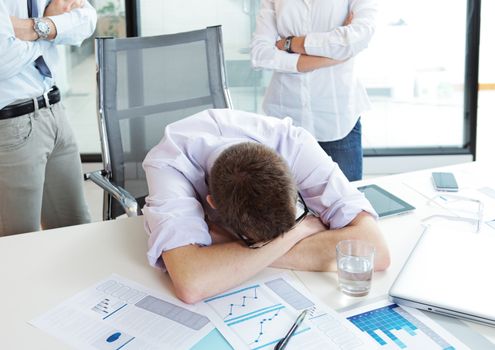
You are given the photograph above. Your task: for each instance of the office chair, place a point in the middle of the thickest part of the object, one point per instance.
(144, 84)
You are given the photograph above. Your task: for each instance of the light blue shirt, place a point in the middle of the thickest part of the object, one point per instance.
(19, 79)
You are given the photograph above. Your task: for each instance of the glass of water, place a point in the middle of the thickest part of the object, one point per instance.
(355, 266)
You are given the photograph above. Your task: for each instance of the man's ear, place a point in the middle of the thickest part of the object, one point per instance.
(210, 201)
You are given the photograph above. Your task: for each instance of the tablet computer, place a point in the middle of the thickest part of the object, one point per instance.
(384, 202)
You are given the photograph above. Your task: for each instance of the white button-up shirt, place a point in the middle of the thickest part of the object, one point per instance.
(327, 101)
(19, 79)
(177, 167)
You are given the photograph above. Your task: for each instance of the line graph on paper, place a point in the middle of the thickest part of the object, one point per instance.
(257, 317)
(250, 294)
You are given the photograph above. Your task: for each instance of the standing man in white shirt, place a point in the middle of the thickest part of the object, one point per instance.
(224, 188)
(40, 169)
(310, 46)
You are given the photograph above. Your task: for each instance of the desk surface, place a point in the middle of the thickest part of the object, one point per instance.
(41, 269)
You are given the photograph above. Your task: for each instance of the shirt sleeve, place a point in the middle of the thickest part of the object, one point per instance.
(264, 53)
(173, 216)
(75, 26)
(15, 54)
(323, 186)
(345, 42)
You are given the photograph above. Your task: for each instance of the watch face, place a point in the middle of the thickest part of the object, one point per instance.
(43, 27)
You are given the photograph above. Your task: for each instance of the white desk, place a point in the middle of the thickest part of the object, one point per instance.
(39, 270)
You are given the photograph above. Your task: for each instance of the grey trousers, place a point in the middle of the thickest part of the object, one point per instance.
(40, 173)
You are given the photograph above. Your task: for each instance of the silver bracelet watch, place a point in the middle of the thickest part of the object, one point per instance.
(42, 28)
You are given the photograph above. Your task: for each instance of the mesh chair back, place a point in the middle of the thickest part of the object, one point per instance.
(146, 83)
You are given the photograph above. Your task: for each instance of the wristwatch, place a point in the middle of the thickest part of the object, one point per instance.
(42, 28)
(288, 44)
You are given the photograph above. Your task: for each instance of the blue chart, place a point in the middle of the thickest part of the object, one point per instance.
(394, 328)
(255, 316)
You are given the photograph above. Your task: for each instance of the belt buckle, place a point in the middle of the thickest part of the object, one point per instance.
(47, 100)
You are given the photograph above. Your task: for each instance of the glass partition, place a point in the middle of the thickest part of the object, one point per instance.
(77, 78)
(414, 68)
(414, 74)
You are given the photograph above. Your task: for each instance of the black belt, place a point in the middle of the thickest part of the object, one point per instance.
(26, 107)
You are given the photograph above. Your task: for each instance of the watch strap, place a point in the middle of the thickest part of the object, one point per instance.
(288, 44)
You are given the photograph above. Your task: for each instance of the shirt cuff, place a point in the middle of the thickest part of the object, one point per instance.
(279, 61)
(175, 234)
(289, 61)
(313, 44)
(341, 214)
(63, 25)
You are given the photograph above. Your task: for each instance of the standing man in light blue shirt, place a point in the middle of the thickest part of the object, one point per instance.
(40, 169)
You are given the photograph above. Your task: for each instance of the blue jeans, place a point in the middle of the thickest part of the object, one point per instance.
(347, 153)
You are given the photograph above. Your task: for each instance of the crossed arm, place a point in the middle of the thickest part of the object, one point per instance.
(317, 253)
(313, 49)
(307, 63)
(200, 272)
(24, 28)
(18, 41)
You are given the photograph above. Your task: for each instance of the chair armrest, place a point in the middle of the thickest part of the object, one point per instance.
(125, 199)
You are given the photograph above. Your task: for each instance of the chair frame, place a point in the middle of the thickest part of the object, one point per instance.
(103, 178)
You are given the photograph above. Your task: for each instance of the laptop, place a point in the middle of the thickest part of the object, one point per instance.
(451, 273)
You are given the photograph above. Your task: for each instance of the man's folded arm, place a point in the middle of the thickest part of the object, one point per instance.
(317, 252)
(15, 54)
(74, 26)
(200, 272)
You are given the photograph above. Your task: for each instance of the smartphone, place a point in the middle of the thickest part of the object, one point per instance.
(444, 182)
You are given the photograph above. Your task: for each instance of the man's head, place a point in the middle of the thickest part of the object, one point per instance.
(253, 191)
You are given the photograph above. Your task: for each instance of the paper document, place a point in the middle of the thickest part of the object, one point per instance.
(120, 314)
(258, 315)
(394, 327)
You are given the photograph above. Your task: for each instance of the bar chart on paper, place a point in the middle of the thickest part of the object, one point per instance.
(395, 327)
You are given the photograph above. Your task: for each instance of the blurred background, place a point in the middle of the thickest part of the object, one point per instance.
(419, 71)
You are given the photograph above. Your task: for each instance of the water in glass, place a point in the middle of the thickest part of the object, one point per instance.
(355, 274)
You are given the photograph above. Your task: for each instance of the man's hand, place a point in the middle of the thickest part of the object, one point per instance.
(309, 226)
(58, 7)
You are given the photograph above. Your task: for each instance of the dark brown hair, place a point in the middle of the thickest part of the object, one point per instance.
(253, 191)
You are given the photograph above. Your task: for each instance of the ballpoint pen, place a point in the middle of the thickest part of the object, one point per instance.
(285, 340)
